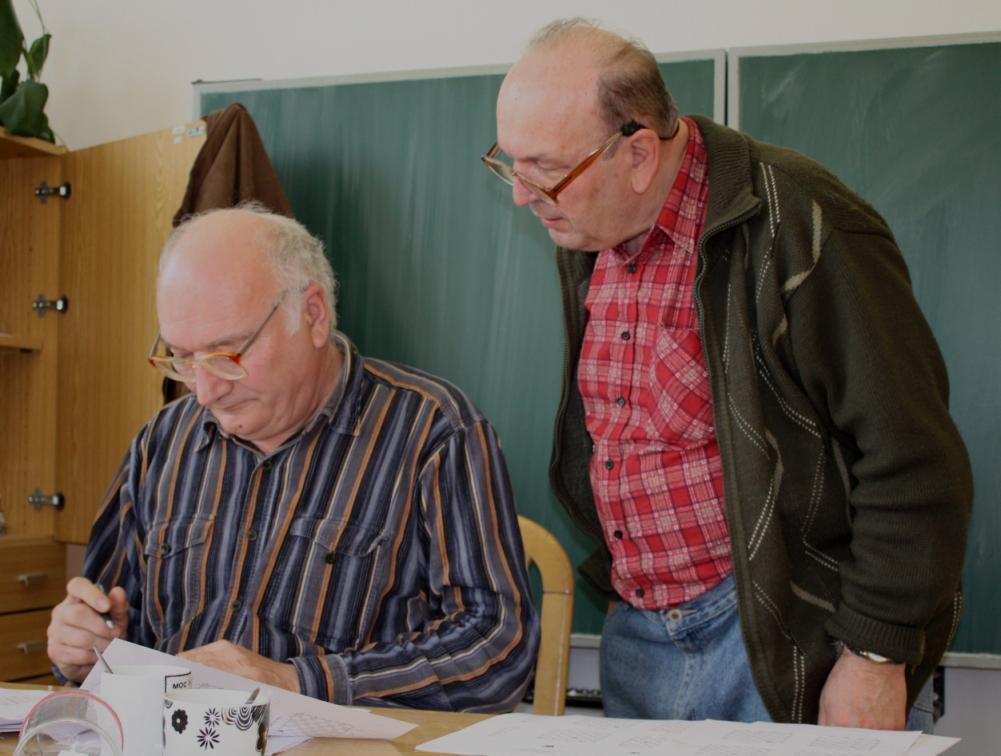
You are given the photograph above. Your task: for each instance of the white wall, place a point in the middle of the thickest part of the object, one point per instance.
(123, 67)
(971, 711)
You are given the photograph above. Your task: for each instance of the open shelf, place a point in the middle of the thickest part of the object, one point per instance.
(13, 341)
(22, 147)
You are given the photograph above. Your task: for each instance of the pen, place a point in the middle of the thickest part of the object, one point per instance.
(104, 662)
(104, 615)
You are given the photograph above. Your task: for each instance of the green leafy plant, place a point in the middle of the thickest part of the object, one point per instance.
(22, 103)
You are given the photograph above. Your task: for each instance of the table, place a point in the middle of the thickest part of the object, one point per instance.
(430, 725)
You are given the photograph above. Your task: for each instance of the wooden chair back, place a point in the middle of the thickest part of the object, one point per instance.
(545, 552)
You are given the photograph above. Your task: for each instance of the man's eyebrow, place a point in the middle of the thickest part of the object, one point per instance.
(215, 346)
(533, 158)
(530, 158)
(540, 158)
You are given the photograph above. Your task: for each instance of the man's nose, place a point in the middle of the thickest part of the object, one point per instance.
(210, 388)
(521, 194)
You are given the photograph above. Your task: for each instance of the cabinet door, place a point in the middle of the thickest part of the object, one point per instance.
(124, 196)
(29, 266)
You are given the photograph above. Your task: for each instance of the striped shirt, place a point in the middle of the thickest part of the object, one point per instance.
(377, 550)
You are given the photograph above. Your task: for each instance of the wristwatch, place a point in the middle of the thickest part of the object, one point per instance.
(872, 656)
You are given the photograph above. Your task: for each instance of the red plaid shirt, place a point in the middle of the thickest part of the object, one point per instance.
(656, 470)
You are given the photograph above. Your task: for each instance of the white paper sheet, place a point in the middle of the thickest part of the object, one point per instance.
(931, 745)
(529, 735)
(292, 715)
(15, 705)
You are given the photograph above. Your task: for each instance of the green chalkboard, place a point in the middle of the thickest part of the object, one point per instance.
(437, 269)
(917, 131)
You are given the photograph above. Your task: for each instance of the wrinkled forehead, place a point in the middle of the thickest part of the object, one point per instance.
(197, 319)
(218, 283)
(548, 106)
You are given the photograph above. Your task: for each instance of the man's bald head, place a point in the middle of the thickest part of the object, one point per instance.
(223, 275)
(586, 111)
(234, 244)
(626, 80)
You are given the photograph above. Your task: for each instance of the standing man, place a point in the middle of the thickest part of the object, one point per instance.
(754, 423)
(306, 517)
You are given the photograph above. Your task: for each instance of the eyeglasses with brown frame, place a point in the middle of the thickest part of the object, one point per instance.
(225, 365)
(505, 171)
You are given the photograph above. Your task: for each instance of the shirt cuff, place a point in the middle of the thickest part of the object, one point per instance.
(324, 677)
(62, 678)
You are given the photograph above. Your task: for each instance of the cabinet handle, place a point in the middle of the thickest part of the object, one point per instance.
(32, 578)
(30, 647)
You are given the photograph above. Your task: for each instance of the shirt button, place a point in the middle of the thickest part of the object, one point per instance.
(618, 534)
(164, 548)
(625, 335)
(237, 605)
(329, 558)
(640, 593)
(251, 535)
(266, 465)
(632, 267)
(621, 401)
(609, 464)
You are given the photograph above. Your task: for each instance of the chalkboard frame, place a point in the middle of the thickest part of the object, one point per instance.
(201, 88)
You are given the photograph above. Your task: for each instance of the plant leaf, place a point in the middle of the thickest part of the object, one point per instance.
(22, 113)
(11, 38)
(37, 54)
(44, 131)
(9, 84)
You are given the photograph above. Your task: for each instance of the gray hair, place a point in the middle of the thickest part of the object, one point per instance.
(296, 255)
(630, 86)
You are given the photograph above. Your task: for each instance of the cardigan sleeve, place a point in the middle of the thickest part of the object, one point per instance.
(866, 352)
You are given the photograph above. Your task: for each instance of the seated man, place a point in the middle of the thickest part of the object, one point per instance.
(337, 526)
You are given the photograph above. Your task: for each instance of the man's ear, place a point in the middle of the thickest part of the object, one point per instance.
(317, 314)
(644, 154)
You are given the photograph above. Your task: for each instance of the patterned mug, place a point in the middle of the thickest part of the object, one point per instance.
(209, 720)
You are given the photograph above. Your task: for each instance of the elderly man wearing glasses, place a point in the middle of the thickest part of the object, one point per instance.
(338, 526)
(754, 426)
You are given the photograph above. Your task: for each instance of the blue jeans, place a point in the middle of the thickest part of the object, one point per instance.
(689, 662)
(921, 716)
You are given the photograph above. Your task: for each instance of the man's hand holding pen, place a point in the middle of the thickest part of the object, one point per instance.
(86, 618)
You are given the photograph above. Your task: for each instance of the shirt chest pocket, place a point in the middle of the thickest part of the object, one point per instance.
(336, 538)
(340, 570)
(680, 406)
(176, 554)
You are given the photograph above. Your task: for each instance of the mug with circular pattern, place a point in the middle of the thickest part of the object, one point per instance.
(135, 692)
(210, 720)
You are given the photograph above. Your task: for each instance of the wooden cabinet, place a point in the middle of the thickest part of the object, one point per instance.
(124, 197)
(29, 266)
(32, 579)
(75, 385)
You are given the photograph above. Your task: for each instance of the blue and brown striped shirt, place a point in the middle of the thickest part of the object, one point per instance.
(377, 550)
